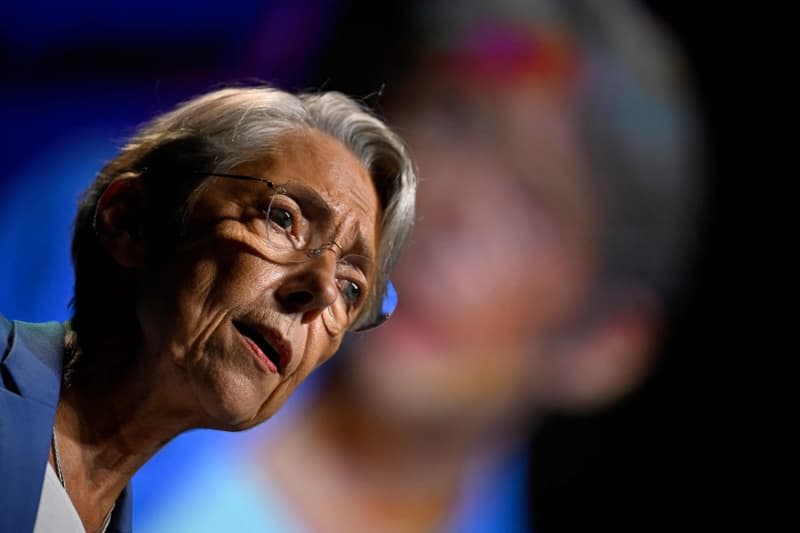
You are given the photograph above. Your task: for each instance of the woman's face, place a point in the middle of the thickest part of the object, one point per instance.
(243, 327)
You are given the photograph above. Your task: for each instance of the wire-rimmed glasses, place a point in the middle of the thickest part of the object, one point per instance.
(295, 219)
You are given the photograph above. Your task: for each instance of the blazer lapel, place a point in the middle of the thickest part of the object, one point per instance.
(31, 378)
(31, 373)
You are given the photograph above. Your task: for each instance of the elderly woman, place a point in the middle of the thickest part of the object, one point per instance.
(219, 259)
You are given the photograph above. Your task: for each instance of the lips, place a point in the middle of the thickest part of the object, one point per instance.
(267, 343)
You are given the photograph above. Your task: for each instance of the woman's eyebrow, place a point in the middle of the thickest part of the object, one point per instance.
(360, 247)
(311, 201)
(316, 205)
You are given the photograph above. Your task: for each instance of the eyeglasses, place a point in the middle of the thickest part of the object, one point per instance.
(296, 231)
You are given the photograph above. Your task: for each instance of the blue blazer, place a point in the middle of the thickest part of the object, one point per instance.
(30, 381)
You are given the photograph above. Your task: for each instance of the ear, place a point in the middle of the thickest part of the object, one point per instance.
(608, 357)
(119, 221)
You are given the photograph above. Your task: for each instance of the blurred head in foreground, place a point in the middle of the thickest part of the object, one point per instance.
(556, 192)
(554, 200)
(553, 144)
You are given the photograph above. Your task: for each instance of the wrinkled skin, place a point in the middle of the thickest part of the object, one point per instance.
(223, 274)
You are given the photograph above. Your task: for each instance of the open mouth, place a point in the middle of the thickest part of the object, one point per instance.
(266, 349)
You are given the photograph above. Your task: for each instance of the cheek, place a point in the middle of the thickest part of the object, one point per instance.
(327, 350)
(174, 310)
(319, 348)
(227, 273)
(316, 353)
(198, 290)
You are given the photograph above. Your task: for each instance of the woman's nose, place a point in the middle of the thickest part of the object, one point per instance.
(311, 286)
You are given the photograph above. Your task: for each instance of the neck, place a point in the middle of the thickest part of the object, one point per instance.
(106, 434)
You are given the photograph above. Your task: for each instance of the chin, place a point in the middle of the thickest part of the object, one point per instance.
(237, 405)
(230, 389)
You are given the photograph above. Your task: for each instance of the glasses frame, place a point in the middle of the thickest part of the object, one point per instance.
(388, 300)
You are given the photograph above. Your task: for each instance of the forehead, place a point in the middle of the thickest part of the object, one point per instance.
(317, 160)
(313, 159)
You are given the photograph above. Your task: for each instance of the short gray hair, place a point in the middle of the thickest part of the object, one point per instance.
(217, 132)
(242, 125)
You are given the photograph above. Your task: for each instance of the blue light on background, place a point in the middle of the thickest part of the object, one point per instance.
(78, 77)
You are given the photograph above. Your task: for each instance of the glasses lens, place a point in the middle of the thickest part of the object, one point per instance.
(289, 234)
(292, 238)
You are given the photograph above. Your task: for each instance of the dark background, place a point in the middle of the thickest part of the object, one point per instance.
(663, 458)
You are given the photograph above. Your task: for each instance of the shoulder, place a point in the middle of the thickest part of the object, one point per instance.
(31, 358)
(30, 375)
(45, 337)
(45, 341)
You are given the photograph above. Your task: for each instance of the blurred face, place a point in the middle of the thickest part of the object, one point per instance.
(497, 262)
(243, 325)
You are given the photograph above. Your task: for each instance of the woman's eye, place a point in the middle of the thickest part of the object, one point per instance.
(281, 217)
(351, 292)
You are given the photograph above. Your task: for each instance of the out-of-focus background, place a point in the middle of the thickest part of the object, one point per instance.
(551, 301)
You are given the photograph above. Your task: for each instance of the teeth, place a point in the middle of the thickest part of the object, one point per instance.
(271, 353)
